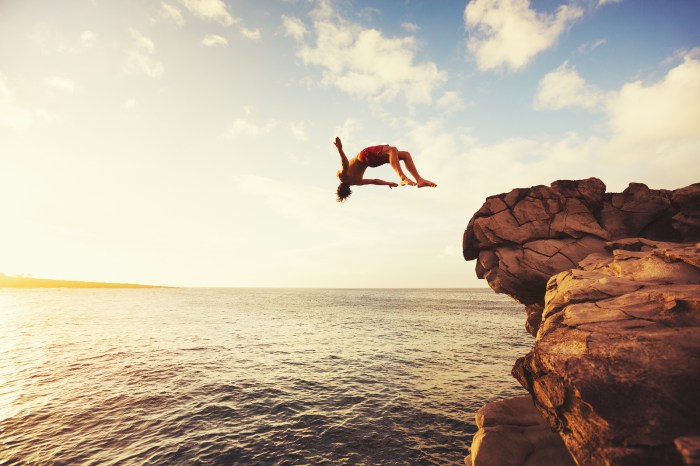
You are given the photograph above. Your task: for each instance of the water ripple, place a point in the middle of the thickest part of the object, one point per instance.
(255, 377)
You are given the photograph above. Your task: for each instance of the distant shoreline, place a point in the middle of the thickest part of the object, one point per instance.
(24, 282)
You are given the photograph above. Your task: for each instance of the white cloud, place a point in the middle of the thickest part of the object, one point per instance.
(210, 40)
(172, 13)
(88, 39)
(214, 10)
(450, 101)
(245, 127)
(323, 10)
(139, 59)
(298, 131)
(470, 170)
(293, 27)
(368, 13)
(410, 27)
(510, 33)
(653, 137)
(48, 39)
(606, 2)
(252, 34)
(636, 113)
(142, 42)
(128, 104)
(588, 47)
(364, 63)
(348, 130)
(662, 111)
(564, 87)
(60, 83)
(12, 116)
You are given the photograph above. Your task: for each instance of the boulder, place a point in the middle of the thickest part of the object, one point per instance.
(522, 238)
(615, 368)
(512, 433)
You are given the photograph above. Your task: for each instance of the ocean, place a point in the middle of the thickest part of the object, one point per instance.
(251, 376)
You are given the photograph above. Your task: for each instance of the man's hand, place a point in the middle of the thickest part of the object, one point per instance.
(392, 185)
(338, 144)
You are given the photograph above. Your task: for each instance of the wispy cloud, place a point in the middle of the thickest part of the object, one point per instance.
(88, 39)
(12, 115)
(47, 38)
(410, 27)
(509, 33)
(298, 130)
(210, 40)
(348, 129)
(213, 10)
(450, 101)
(252, 34)
(60, 83)
(172, 13)
(588, 47)
(294, 27)
(246, 127)
(607, 2)
(128, 104)
(140, 59)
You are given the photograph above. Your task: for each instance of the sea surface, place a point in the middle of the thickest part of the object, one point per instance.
(251, 376)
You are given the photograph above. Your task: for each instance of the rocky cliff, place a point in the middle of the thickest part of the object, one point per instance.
(611, 284)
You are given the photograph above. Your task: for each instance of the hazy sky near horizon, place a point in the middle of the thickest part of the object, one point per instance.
(189, 142)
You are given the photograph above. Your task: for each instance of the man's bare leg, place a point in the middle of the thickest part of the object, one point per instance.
(411, 167)
(396, 165)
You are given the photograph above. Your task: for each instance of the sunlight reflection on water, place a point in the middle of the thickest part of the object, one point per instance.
(251, 376)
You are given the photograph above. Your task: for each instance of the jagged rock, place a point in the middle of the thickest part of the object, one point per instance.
(616, 364)
(611, 284)
(524, 237)
(512, 433)
(687, 220)
(689, 448)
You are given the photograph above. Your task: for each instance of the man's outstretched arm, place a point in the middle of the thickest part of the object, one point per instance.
(379, 182)
(343, 158)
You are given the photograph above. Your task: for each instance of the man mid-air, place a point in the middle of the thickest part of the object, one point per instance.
(353, 170)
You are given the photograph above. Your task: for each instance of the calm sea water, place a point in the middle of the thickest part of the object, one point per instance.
(251, 376)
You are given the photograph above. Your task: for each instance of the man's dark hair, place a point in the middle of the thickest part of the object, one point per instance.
(343, 192)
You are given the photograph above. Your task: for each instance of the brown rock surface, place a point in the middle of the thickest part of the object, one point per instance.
(524, 237)
(512, 433)
(611, 284)
(616, 364)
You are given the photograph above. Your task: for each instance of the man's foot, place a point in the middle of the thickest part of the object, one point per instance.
(407, 182)
(425, 183)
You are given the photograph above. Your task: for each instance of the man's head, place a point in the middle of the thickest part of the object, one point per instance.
(343, 192)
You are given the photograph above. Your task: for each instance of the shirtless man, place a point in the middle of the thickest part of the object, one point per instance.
(354, 169)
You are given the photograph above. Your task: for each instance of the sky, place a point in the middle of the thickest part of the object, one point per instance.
(189, 142)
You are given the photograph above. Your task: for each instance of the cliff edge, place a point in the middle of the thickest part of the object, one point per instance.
(611, 284)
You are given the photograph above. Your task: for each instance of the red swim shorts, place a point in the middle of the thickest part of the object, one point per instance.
(373, 156)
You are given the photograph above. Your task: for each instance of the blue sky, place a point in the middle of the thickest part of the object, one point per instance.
(188, 142)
